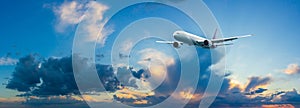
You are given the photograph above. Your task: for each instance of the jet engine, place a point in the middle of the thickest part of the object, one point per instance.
(176, 44)
(207, 43)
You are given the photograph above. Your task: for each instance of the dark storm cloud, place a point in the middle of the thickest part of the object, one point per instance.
(137, 74)
(58, 78)
(25, 75)
(277, 93)
(259, 90)
(290, 97)
(107, 77)
(53, 76)
(256, 81)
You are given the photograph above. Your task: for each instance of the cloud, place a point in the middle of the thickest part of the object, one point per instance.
(52, 81)
(126, 46)
(94, 20)
(90, 15)
(124, 75)
(130, 96)
(234, 94)
(219, 67)
(187, 94)
(279, 106)
(54, 76)
(155, 56)
(257, 81)
(56, 100)
(290, 96)
(12, 99)
(292, 69)
(259, 90)
(139, 84)
(69, 13)
(5, 61)
(107, 77)
(137, 74)
(157, 65)
(25, 75)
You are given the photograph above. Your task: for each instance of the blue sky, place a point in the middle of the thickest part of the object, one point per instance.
(30, 27)
(276, 33)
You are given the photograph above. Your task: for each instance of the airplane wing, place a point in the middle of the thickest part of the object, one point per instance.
(229, 39)
(168, 42)
(165, 42)
(175, 44)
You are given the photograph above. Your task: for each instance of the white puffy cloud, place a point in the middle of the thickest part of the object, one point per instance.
(126, 45)
(157, 62)
(70, 12)
(156, 55)
(91, 14)
(219, 67)
(292, 69)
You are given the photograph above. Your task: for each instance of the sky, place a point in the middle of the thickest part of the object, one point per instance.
(275, 30)
(37, 39)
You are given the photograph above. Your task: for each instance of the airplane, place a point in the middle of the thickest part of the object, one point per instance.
(183, 37)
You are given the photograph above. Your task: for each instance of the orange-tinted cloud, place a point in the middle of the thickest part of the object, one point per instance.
(12, 99)
(292, 69)
(278, 106)
(140, 102)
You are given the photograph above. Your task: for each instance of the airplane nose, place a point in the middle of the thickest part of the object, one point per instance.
(175, 34)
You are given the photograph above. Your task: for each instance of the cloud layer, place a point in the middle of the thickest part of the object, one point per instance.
(54, 77)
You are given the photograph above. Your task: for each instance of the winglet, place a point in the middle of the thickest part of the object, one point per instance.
(215, 34)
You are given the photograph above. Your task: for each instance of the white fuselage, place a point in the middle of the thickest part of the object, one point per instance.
(187, 38)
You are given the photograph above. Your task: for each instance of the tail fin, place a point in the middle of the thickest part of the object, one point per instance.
(215, 34)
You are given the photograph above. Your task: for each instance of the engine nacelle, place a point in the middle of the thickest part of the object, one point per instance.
(207, 44)
(176, 44)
